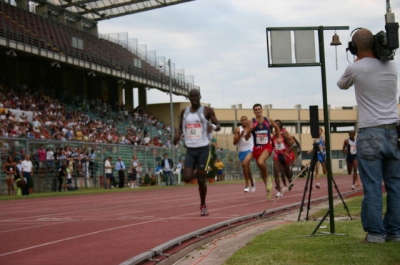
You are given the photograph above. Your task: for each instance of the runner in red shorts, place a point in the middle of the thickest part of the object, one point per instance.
(261, 131)
(283, 159)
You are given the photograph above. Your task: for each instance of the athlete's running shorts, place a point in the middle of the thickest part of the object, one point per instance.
(351, 158)
(284, 160)
(321, 158)
(242, 155)
(197, 157)
(258, 150)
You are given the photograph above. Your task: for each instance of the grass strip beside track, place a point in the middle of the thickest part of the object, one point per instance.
(292, 243)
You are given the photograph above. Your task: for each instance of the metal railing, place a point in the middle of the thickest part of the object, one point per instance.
(87, 175)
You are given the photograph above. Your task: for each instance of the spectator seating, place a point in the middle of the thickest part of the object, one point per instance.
(26, 27)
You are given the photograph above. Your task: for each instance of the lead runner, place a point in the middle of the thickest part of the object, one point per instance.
(196, 127)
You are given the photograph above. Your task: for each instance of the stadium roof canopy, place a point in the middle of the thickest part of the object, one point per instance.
(97, 10)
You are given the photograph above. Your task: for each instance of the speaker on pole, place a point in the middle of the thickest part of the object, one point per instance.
(314, 122)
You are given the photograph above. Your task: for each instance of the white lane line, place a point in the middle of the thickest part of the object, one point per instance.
(92, 233)
(63, 220)
(60, 213)
(75, 237)
(29, 227)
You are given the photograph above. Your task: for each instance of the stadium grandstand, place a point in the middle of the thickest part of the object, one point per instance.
(59, 74)
(56, 45)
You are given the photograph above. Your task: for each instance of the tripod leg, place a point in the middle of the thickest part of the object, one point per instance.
(309, 194)
(304, 195)
(314, 160)
(320, 222)
(340, 196)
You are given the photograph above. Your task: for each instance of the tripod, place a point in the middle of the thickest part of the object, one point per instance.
(309, 185)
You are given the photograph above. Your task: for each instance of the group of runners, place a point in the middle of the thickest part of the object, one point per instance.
(260, 138)
(257, 139)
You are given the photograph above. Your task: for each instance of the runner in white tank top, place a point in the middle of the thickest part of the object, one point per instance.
(350, 152)
(195, 130)
(245, 148)
(196, 124)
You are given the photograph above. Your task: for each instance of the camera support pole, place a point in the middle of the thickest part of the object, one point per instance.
(321, 63)
(327, 130)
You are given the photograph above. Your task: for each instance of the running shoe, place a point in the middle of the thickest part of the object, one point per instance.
(279, 195)
(203, 210)
(353, 187)
(284, 189)
(246, 189)
(269, 188)
(253, 186)
(291, 186)
(317, 186)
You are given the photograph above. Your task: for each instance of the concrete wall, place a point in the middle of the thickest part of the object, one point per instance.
(162, 111)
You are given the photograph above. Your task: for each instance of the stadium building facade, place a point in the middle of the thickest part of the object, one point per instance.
(296, 121)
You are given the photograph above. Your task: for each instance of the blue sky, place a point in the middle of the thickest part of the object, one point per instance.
(222, 43)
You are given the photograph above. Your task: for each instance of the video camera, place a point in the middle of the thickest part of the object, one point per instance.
(387, 42)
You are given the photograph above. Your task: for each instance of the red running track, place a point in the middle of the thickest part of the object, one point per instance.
(112, 228)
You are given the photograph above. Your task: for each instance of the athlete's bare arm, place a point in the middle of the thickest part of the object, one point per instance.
(249, 129)
(236, 135)
(345, 143)
(276, 128)
(288, 139)
(178, 131)
(210, 115)
(298, 146)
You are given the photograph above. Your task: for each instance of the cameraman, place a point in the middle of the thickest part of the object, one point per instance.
(375, 84)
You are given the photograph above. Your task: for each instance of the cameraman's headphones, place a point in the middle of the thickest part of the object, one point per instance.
(352, 47)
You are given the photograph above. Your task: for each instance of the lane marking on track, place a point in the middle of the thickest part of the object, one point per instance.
(60, 213)
(92, 233)
(184, 198)
(29, 227)
(61, 220)
(74, 237)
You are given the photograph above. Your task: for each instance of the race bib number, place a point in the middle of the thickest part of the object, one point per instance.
(279, 146)
(353, 150)
(262, 139)
(193, 131)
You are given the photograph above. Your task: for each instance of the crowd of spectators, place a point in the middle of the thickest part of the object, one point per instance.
(30, 113)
